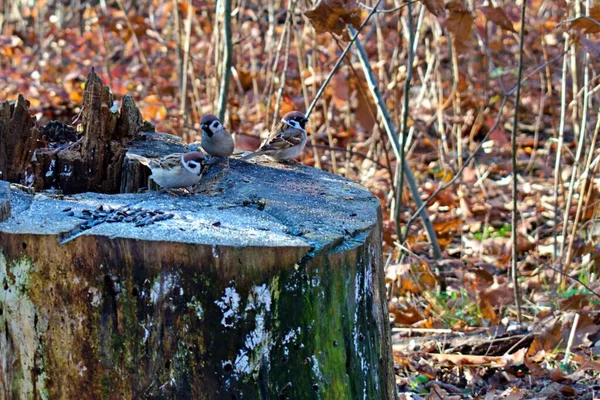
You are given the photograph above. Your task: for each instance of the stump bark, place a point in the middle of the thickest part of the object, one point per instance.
(55, 161)
(267, 283)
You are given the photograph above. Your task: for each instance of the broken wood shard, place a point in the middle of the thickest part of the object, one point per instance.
(93, 163)
(18, 139)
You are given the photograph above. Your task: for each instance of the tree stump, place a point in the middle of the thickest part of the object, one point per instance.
(267, 283)
(39, 157)
(18, 139)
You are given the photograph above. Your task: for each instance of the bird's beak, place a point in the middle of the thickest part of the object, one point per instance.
(206, 128)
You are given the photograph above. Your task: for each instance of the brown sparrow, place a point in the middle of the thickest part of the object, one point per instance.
(286, 141)
(174, 171)
(216, 140)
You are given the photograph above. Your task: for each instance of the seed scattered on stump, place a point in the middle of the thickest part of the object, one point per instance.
(138, 216)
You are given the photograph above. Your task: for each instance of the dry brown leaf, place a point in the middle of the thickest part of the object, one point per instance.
(436, 7)
(586, 363)
(517, 358)
(439, 393)
(404, 313)
(545, 342)
(487, 310)
(460, 25)
(575, 302)
(333, 15)
(498, 17)
(428, 280)
(589, 23)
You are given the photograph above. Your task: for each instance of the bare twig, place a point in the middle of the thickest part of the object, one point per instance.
(391, 132)
(513, 140)
(301, 68)
(286, 60)
(391, 10)
(571, 338)
(585, 175)
(225, 9)
(579, 281)
(404, 122)
(559, 147)
(186, 60)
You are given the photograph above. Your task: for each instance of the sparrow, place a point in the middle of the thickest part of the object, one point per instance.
(286, 141)
(174, 171)
(216, 140)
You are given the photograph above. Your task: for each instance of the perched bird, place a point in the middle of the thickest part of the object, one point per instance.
(286, 141)
(174, 171)
(216, 140)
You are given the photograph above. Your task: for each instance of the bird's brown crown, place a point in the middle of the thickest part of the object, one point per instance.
(208, 119)
(194, 156)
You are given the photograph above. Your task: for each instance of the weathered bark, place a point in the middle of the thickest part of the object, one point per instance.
(268, 283)
(18, 139)
(4, 201)
(91, 164)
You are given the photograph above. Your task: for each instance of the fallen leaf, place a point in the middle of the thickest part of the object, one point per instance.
(436, 7)
(589, 23)
(516, 358)
(460, 25)
(333, 15)
(498, 17)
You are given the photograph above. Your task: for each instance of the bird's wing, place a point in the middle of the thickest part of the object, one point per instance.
(283, 139)
(169, 162)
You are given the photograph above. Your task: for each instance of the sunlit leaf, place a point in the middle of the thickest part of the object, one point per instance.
(460, 25)
(333, 15)
(498, 17)
(589, 23)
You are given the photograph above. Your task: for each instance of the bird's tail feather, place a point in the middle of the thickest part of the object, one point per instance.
(250, 155)
(143, 160)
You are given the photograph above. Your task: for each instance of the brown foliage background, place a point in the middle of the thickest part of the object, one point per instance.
(167, 54)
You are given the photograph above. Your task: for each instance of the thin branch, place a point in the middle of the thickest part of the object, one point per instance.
(391, 10)
(391, 132)
(404, 122)
(559, 148)
(290, 22)
(136, 42)
(186, 60)
(225, 9)
(576, 165)
(513, 140)
(558, 271)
